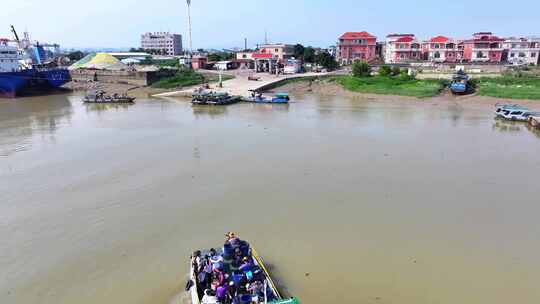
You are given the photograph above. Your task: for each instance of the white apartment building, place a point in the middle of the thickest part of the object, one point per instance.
(164, 43)
(522, 50)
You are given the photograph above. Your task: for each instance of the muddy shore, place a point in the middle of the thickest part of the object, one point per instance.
(332, 89)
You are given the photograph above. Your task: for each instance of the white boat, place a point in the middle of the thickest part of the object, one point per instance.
(519, 115)
(501, 109)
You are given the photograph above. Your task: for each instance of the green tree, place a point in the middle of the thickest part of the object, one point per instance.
(75, 56)
(309, 54)
(214, 57)
(361, 69)
(396, 70)
(327, 61)
(299, 51)
(385, 70)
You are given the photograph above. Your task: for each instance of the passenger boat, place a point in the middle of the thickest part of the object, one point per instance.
(281, 98)
(278, 98)
(460, 83)
(233, 274)
(102, 97)
(214, 98)
(501, 109)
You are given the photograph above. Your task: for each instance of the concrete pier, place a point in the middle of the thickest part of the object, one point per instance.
(240, 85)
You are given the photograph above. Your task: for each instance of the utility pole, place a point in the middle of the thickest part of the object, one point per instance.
(189, 27)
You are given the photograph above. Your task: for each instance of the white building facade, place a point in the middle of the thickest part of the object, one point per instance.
(164, 43)
(522, 51)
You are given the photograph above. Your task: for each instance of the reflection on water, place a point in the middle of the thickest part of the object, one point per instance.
(208, 111)
(100, 107)
(22, 118)
(413, 195)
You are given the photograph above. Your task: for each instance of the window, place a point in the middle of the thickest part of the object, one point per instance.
(480, 55)
(276, 50)
(533, 54)
(512, 55)
(521, 55)
(437, 55)
(402, 56)
(414, 54)
(402, 46)
(436, 45)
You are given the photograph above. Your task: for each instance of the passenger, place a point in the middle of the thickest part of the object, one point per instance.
(256, 289)
(196, 261)
(209, 297)
(247, 264)
(221, 293)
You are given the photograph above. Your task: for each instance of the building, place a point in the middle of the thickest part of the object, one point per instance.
(402, 48)
(443, 49)
(199, 62)
(522, 50)
(483, 47)
(244, 55)
(280, 51)
(354, 46)
(163, 43)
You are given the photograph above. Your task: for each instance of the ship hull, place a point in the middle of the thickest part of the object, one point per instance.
(13, 84)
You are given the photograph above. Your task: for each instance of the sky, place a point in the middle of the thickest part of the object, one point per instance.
(225, 23)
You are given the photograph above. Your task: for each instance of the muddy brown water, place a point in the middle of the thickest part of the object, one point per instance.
(348, 200)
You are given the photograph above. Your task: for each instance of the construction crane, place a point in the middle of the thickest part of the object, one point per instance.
(15, 34)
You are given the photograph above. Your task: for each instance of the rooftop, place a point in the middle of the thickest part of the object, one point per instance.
(356, 35)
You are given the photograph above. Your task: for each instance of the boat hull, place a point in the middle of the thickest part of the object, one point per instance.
(13, 84)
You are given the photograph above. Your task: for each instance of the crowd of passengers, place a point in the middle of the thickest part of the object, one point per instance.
(231, 277)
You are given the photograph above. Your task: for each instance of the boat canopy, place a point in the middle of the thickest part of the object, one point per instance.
(282, 95)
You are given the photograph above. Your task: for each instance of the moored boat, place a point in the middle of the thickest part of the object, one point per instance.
(281, 98)
(214, 98)
(233, 274)
(460, 83)
(259, 98)
(501, 109)
(102, 97)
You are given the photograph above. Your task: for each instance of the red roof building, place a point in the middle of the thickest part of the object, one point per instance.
(443, 49)
(402, 48)
(354, 46)
(483, 47)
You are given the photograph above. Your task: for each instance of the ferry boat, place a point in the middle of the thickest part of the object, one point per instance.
(234, 273)
(214, 98)
(103, 97)
(24, 68)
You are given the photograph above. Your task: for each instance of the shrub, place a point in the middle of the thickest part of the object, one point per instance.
(361, 69)
(385, 70)
(396, 70)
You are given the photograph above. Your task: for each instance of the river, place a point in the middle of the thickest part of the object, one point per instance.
(348, 200)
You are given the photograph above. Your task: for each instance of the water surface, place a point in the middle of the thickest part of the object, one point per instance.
(348, 200)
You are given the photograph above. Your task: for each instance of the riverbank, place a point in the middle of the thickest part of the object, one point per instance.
(330, 87)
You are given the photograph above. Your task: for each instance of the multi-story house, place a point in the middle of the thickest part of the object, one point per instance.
(353, 46)
(402, 48)
(163, 43)
(281, 52)
(443, 49)
(483, 47)
(522, 50)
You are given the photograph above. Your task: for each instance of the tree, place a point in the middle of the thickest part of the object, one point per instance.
(214, 57)
(75, 56)
(361, 69)
(327, 61)
(309, 54)
(299, 51)
(385, 70)
(396, 70)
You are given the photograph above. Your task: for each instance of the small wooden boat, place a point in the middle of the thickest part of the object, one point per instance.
(233, 274)
(102, 97)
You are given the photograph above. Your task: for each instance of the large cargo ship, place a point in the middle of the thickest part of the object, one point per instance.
(24, 68)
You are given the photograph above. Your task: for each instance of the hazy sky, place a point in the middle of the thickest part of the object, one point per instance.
(225, 23)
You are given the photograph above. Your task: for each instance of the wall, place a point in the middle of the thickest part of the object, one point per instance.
(124, 77)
